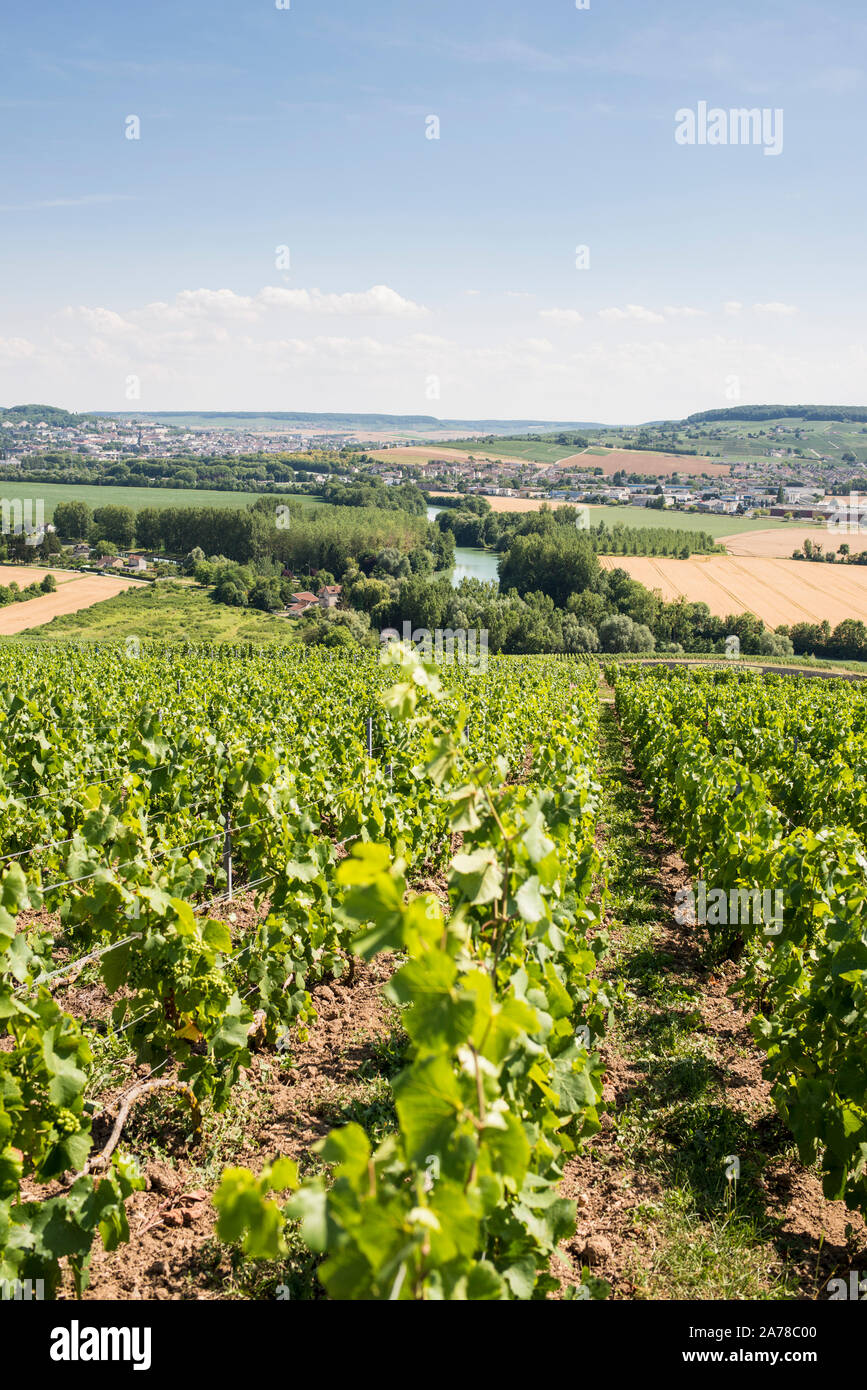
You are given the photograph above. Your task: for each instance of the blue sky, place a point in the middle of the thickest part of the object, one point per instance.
(431, 275)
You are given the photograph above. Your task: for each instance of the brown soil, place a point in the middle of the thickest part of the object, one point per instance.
(644, 461)
(70, 597)
(288, 1103)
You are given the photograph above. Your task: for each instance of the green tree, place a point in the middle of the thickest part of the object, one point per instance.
(116, 524)
(73, 520)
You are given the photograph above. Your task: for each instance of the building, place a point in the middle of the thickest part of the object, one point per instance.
(329, 595)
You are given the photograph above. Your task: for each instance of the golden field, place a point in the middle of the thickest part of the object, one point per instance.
(776, 590)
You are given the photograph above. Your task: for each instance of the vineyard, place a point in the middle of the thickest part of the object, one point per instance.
(202, 847)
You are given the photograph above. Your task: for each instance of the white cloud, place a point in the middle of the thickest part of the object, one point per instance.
(632, 311)
(207, 303)
(732, 307)
(100, 320)
(208, 311)
(16, 349)
(217, 349)
(774, 307)
(682, 311)
(380, 300)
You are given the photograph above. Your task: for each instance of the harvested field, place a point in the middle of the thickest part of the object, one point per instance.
(508, 504)
(73, 594)
(426, 453)
(22, 575)
(639, 461)
(776, 590)
(779, 544)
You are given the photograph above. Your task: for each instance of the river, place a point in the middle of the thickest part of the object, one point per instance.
(470, 562)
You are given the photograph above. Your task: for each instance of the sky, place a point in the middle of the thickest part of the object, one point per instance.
(468, 210)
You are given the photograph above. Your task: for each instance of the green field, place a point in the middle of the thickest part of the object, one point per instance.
(168, 611)
(682, 521)
(135, 497)
(750, 440)
(744, 440)
(533, 451)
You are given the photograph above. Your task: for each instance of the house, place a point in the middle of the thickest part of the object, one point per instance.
(136, 562)
(301, 602)
(329, 595)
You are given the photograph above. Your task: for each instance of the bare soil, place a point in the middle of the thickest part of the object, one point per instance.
(71, 596)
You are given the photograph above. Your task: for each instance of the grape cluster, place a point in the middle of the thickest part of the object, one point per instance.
(66, 1122)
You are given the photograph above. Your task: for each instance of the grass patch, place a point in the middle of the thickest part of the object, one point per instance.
(165, 611)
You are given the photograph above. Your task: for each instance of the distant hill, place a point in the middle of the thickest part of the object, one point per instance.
(51, 414)
(223, 419)
(844, 413)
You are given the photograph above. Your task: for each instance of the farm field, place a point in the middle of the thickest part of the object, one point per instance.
(780, 542)
(528, 450)
(613, 461)
(422, 453)
(507, 504)
(753, 439)
(777, 591)
(680, 521)
(73, 593)
(559, 457)
(134, 497)
(348, 987)
(166, 610)
(22, 575)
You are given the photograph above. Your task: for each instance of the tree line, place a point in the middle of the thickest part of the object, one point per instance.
(506, 531)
